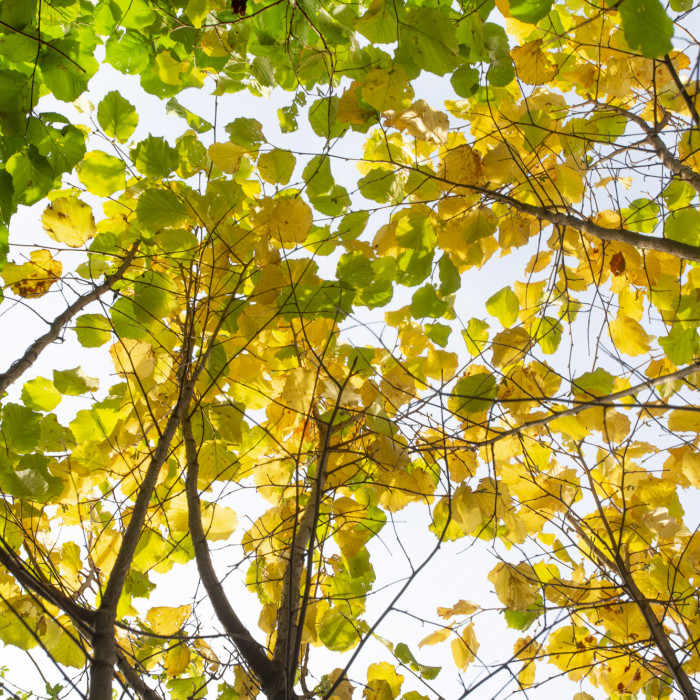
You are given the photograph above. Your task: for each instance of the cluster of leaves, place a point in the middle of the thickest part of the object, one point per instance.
(224, 278)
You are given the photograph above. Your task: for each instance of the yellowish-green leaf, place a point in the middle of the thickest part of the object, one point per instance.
(70, 221)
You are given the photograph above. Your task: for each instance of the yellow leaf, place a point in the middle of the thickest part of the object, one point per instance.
(177, 659)
(421, 121)
(435, 637)
(218, 521)
(207, 653)
(516, 586)
(684, 421)
(344, 688)
(70, 221)
(226, 156)
(465, 509)
(387, 88)
(510, 346)
(33, 279)
(465, 648)
(133, 357)
(385, 672)
(168, 621)
(463, 607)
(349, 109)
(286, 220)
(533, 66)
(462, 166)
(629, 336)
(298, 392)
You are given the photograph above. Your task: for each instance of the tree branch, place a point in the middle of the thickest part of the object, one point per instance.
(31, 354)
(583, 405)
(676, 166)
(253, 652)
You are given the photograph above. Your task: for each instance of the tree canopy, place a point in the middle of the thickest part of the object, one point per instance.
(450, 315)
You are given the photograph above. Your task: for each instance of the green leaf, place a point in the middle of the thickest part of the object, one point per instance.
(425, 302)
(465, 81)
(590, 384)
(473, 394)
(531, 11)
(245, 131)
(74, 382)
(117, 116)
(427, 38)
(30, 479)
(352, 225)
(355, 270)
(646, 26)
(680, 344)
(678, 194)
(40, 394)
(683, 225)
(337, 632)
(439, 333)
(501, 70)
(415, 229)
(405, 656)
(130, 52)
(102, 174)
(504, 305)
(93, 330)
(323, 118)
(157, 209)
(379, 23)
(450, 279)
(154, 157)
(476, 336)
(195, 122)
(641, 215)
(276, 166)
(65, 80)
(549, 333)
(520, 620)
(20, 428)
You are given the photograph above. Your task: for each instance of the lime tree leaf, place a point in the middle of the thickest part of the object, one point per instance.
(504, 305)
(473, 394)
(476, 336)
(405, 656)
(276, 166)
(20, 428)
(74, 382)
(70, 221)
(117, 116)
(323, 118)
(158, 209)
(684, 225)
(40, 395)
(646, 26)
(531, 11)
(597, 383)
(426, 303)
(337, 631)
(154, 157)
(428, 39)
(681, 344)
(101, 173)
(245, 131)
(198, 124)
(93, 330)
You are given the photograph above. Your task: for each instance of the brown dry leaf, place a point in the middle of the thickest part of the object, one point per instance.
(533, 66)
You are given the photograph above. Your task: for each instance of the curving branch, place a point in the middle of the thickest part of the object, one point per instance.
(252, 651)
(22, 364)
